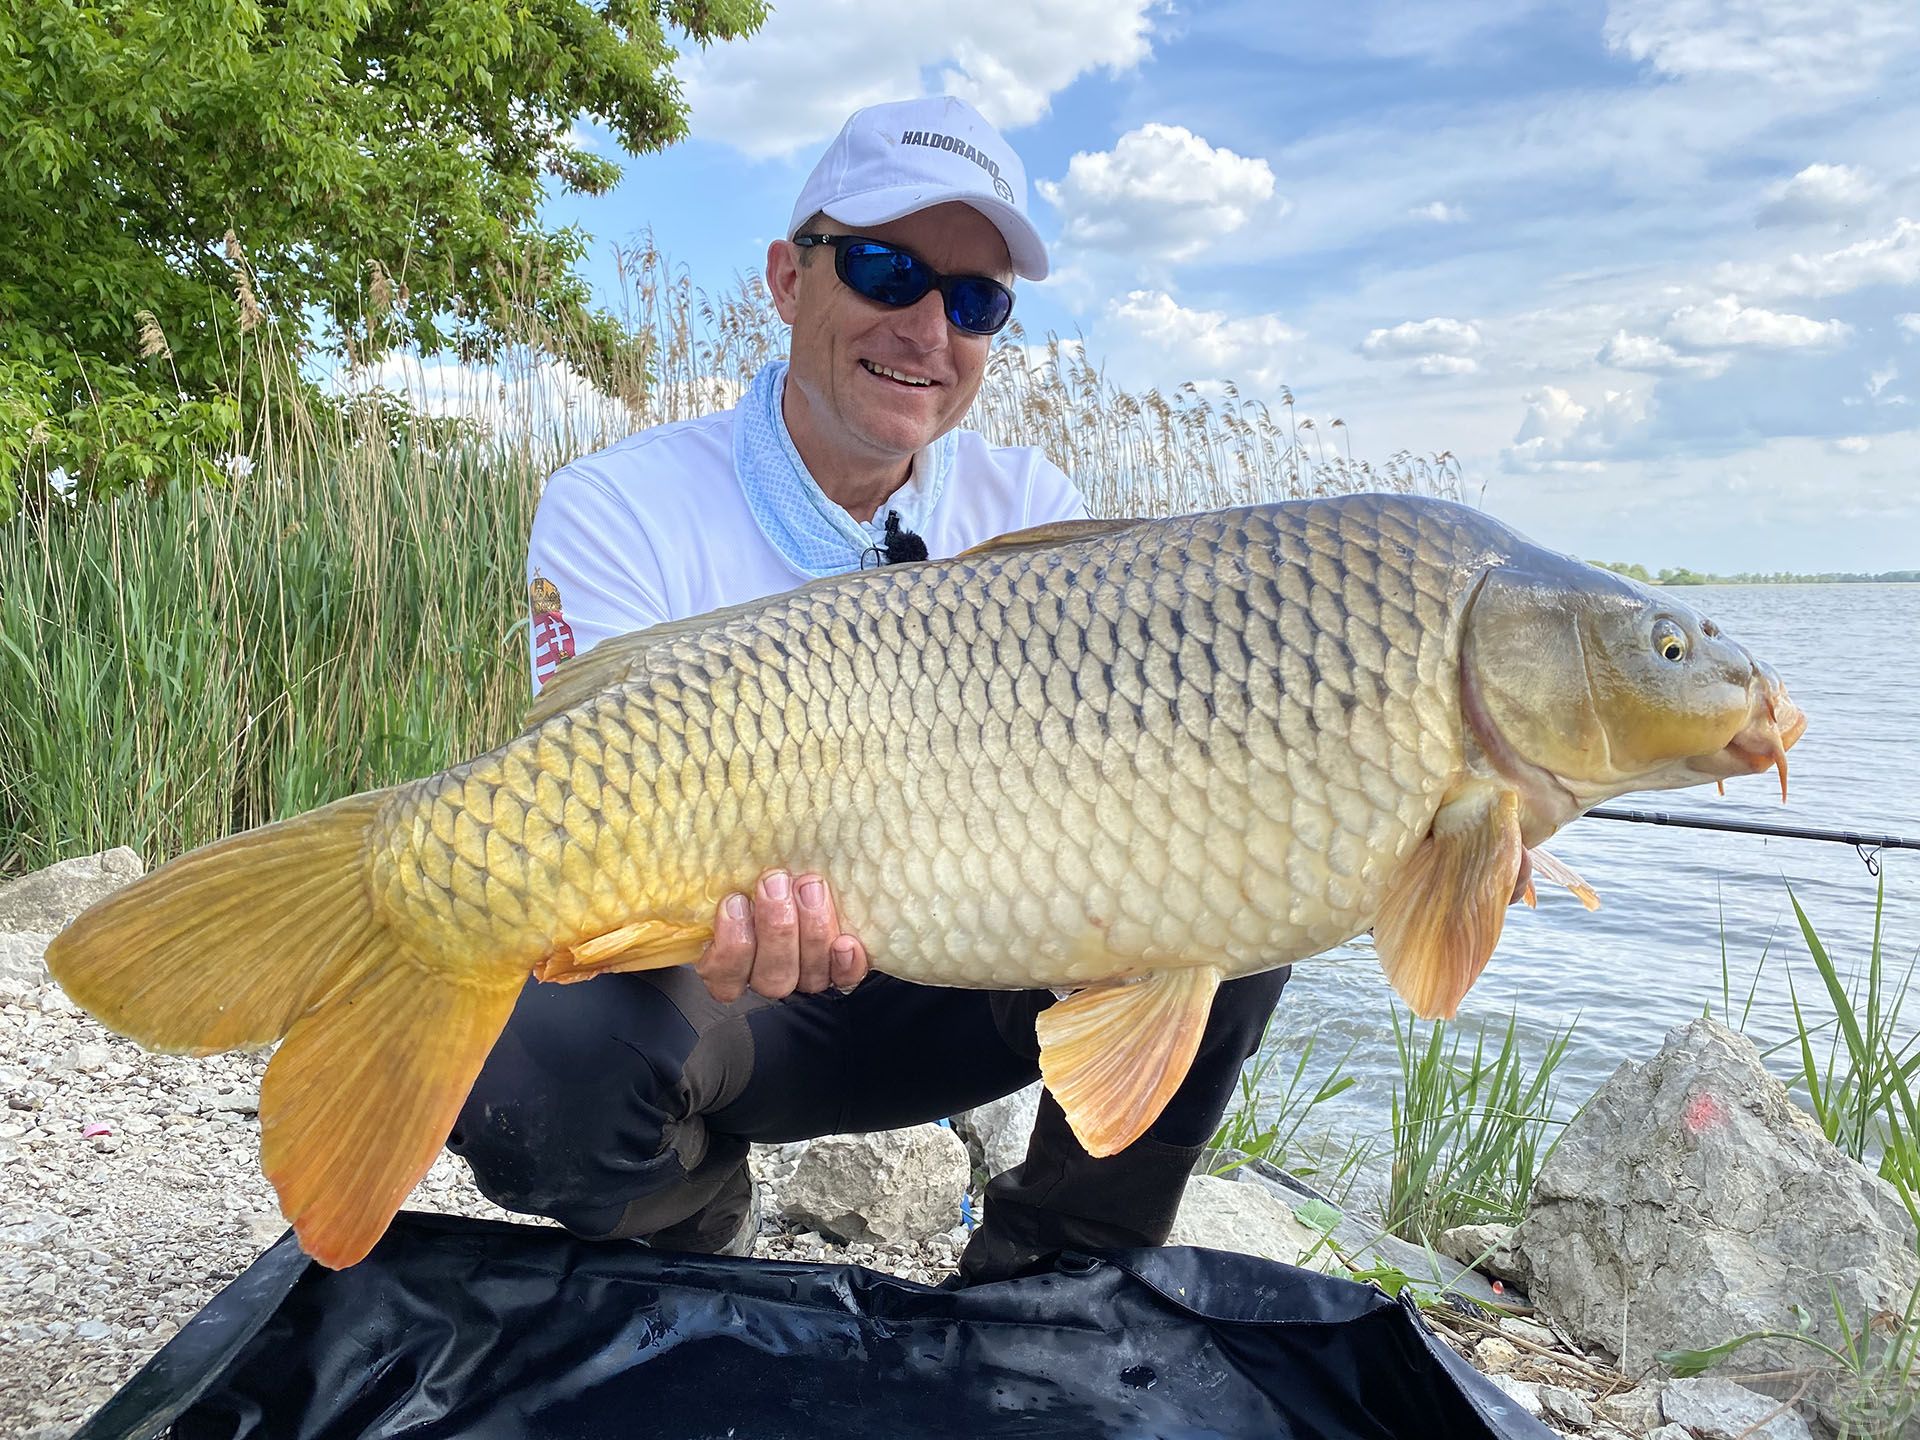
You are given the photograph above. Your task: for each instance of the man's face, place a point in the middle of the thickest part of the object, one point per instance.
(843, 342)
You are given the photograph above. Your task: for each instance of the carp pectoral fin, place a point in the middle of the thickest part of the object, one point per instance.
(1548, 867)
(647, 945)
(1445, 910)
(1114, 1054)
(359, 1098)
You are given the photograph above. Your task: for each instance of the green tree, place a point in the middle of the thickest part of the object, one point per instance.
(379, 164)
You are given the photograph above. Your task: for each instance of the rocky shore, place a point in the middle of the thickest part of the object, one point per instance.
(1690, 1203)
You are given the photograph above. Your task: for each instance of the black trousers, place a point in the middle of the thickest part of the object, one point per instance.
(623, 1106)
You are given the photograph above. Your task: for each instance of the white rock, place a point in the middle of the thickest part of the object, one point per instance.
(1488, 1248)
(1721, 1410)
(890, 1186)
(1493, 1353)
(23, 960)
(1222, 1214)
(1523, 1393)
(85, 1057)
(1565, 1406)
(1637, 1409)
(47, 901)
(999, 1130)
(1528, 1330)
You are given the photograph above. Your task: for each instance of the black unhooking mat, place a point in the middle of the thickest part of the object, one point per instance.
(472, 1328)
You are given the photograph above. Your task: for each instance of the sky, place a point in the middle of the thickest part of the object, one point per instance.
(1649, 268)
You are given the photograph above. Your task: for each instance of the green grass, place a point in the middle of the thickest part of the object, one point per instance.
(1268, 1121)
(1469, 1126)
(1862, 1091)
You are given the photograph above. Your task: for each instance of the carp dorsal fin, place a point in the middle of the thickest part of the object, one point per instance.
(1054, 532)
(1445, 909)
(613, 661)
(601, 668)
(1114, 1054)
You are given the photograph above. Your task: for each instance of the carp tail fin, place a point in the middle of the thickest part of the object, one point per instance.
(273, 934)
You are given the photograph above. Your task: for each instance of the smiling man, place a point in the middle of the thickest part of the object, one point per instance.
(624, 1108)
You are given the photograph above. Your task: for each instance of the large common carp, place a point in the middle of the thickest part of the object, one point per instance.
(1129, 758)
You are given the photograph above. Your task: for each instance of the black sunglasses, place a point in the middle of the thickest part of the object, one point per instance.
(892, 276)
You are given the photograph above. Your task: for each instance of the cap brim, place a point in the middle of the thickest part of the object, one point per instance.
(876, 207)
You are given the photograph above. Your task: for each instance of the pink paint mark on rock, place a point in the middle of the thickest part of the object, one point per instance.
(95, 1130)
(1704, 1112)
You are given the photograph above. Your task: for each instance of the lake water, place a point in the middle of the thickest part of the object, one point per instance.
(1650, 958)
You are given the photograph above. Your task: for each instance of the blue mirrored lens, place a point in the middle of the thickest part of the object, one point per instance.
(978, 305)
(881, 273)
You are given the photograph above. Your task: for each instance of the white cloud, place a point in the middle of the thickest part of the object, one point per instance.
(1160, 190)
(1439, 365)
(1726, 322)
(1910, 323)
(1245, 347)
(791, 84)
(1559, 433)
(1853, 444)
(1438, 348)
(1438, 336)
(1439, 212)
(542, 400)
(1650, 353)
(1878, 380)
(1838, 46)
(1893, 259)
(1819, 192)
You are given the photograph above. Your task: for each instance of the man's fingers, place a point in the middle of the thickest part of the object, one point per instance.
(849, 962)
(728, 961)
(819, 925)
(776, 936)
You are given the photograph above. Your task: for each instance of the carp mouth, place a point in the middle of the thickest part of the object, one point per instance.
(1774, 724)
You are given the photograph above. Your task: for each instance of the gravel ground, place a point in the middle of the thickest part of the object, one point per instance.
(111, 1240)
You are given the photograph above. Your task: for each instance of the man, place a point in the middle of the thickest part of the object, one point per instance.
(625, 1107)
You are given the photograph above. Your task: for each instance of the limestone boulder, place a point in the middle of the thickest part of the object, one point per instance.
(997, 1132)
(47, 901)
(888, 1187)
(1220, 1214)
(1692, 1201)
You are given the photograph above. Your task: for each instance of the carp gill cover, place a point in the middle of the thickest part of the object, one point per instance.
(1130, 758)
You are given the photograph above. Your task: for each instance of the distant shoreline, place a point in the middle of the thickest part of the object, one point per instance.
(1695, 577)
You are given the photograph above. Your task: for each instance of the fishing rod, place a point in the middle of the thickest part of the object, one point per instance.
(1866, 846)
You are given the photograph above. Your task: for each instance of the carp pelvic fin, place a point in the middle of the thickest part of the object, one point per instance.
(1549, 867)
(1114, 1054)
(1444, 913)
(646, 945)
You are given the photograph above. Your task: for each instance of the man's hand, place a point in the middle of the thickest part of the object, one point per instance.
(785, 938)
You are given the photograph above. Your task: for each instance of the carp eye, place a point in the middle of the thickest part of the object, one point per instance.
(1670, 641)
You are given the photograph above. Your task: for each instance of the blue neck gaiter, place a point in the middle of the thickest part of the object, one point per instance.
(815, 535)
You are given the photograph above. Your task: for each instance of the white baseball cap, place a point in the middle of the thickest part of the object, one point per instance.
(892, 160)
